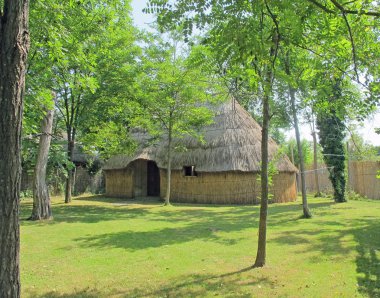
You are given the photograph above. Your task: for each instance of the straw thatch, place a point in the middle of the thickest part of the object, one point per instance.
(232, 143)
(227, 164)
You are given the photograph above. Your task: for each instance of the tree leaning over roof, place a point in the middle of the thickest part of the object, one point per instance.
(14, 46)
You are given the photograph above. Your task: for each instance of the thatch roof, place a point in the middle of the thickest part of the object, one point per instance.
(232, 143)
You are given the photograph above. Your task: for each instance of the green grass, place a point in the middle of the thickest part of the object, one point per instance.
(99, 247)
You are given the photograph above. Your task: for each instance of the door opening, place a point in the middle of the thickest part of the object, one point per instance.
(153, 181)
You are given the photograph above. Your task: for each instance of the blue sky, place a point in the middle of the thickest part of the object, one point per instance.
(140, 19)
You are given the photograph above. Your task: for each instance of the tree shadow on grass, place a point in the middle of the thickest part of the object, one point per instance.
(80, 293)
(207, 228)
(366, 233)
(87, 293)
(89, 214)
(121, 200)
(119, 209)
(231, 284)
(368, 258)
(191, 223)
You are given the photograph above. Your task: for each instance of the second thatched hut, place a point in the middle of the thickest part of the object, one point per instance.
(224, 169)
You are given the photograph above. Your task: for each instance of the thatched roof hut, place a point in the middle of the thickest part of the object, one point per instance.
(226, 164)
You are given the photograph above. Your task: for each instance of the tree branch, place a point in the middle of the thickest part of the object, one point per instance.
(277, 39)
(352, 46)
(334, 65)
(324, 8)
(348, 11)
(343, 9)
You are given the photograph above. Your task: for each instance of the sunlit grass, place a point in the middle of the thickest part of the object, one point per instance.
(99, 247)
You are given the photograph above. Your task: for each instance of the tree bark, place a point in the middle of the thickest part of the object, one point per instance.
(70, 171)
(261, 247)
(262, 239)
(315, 162)
(305, 207)
(292, 160)
(169, 170)
(41, 200)
(348, 167)
(14, 46)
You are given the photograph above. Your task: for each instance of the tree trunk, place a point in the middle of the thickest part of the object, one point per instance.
(315, 157)
(292, 160)
(306, 211)
(41, 199)
(262, 239)
(261, 247)
(169, 170)
(14, 46)
(70, 171)
(348, 184)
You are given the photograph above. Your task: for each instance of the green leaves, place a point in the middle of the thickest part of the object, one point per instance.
(85, 52)
(172, 91)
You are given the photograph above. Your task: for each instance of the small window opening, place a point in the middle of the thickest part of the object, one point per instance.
(189, 171)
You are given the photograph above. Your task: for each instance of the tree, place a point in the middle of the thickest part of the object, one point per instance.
(254, 51)
(173, 96)
(344, 64)
(331, 134)
(41, 199)
(292, 95)
(358, 148)
(87, 39)
(264, 29)
(14, 46)
(315, 158)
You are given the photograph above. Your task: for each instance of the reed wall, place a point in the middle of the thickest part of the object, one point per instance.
(207, 188)
(284, 187)
(226, 187)
(325, 185)
(119, 183)
(363, 178)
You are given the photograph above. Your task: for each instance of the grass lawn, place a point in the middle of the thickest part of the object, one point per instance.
(99, 247)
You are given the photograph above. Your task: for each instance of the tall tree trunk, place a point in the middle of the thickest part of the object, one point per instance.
(70, 171)
(292, 160)
(14, 46)
(292, 92)
(315, 162)
(169, 170)
(305, 207)
(262, 239)
(348, 167)
(41, 199)
(261, 247)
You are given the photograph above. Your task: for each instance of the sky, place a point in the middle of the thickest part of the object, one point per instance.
(139, 18)
(367, 131)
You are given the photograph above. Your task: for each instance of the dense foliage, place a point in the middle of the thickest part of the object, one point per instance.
(331, 134)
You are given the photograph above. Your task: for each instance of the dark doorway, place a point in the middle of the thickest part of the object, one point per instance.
(153, 181)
